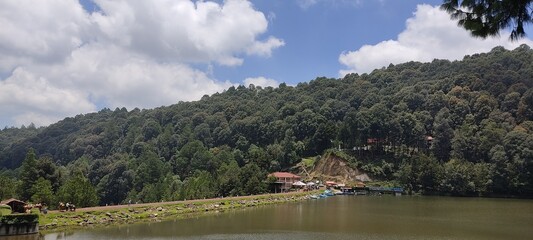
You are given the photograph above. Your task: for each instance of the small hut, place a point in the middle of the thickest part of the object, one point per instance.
(16, 205)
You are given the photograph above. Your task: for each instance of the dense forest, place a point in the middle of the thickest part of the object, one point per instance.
(457, 128)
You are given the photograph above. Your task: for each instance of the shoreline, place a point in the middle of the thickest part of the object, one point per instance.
(117, 215)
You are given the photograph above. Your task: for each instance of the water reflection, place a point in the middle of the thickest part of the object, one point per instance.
(23, 237)
(344, 217)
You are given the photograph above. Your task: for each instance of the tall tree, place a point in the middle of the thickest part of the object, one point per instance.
(8, 186)
(42, 192)
(48, 170)
(28, 175)
(443, 135)
(228, 179)
(79, 191)
(114, 186)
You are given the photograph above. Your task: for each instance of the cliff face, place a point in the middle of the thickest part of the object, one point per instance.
(334, 168)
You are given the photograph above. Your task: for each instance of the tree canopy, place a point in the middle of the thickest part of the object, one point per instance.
(485, 18)
(462, 128)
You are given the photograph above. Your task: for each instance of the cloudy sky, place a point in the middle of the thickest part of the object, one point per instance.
(60, 58)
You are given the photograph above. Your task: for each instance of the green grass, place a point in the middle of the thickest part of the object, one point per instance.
(5, 209)
(308, 162)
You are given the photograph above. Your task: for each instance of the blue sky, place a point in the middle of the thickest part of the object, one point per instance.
(66, 57)
(315, 36)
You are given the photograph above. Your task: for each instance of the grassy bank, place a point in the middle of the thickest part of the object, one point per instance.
(154, 212)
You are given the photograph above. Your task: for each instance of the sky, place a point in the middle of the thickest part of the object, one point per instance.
(61, 58)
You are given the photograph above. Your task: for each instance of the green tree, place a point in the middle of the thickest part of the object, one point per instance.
(465, 141)
(151, 129)
(228, 179)
(28, 175)
(525, 107)
(252, 179)
(151, 192)
(258, 156)
(9, 185)
(115, 185)
(172, 188)
(510, 103)
(483, 106)
(47, 169)
(193, 155)
(500, 177)
(443, 134)
(42, 192)
(464, 178)
(79, 191)
(200, 185)
(275, 154)
(485, 18)
(420, 173)
(151, 169)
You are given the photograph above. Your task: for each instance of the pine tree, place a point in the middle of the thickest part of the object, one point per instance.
(28, 175)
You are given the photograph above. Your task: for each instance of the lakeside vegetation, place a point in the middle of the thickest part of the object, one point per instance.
(479, 111)
(155, 212)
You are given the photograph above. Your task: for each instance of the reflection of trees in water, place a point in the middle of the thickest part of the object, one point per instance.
(62, 235)
(24, 237)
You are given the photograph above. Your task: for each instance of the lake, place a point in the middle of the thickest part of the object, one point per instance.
(343, 217)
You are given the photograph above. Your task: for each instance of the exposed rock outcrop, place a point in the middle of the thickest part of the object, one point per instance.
(332, 167)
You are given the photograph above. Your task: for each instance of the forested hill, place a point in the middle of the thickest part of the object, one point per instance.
(479, 112)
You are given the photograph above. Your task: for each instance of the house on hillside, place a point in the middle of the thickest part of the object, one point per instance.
(284, 181)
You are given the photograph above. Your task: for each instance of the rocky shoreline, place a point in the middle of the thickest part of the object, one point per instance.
(156, 212)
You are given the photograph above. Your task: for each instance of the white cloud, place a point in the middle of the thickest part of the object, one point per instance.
(121, 78)
(271, 16)
(28, 98)
(265, 48)
(429, 34)
(39, 31)
(61, 60)
(261, 81)
(304, 4)
(183, 31)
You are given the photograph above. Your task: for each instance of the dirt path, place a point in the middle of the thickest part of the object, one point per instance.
(115, 207)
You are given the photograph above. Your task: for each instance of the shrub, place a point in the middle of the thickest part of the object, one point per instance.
(19, 218)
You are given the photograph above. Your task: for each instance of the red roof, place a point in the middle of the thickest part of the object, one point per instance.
(284, 175)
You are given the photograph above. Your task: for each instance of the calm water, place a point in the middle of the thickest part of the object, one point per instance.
(344, 217)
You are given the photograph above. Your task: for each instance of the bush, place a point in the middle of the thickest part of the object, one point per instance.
(19, 218)
(5, 209)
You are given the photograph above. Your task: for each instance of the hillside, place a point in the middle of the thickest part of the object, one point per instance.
(479, 112)
(332, 167)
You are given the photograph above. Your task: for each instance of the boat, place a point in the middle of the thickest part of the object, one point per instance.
(329, 193)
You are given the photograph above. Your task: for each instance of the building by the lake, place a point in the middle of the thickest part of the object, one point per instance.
(284, 181)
